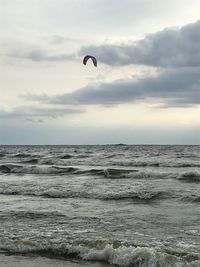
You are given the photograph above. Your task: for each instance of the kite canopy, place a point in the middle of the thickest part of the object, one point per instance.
(85, 59)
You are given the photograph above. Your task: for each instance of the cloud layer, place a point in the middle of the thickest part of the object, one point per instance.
(167, 48)
(41, 55)
(171, 87)
(32, 113)
(175, 52)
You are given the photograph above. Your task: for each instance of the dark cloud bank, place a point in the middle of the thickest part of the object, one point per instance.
(174, 87)
(167, 48)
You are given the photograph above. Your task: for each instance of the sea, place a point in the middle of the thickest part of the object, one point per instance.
(103, 205)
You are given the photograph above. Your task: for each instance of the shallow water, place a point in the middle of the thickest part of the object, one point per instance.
(122, 205)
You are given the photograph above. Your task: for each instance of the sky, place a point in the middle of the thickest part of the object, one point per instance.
(145, 89)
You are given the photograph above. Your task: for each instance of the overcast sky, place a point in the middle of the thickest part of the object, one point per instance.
(145, 89)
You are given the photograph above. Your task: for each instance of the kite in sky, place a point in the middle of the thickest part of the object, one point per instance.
(85, 59)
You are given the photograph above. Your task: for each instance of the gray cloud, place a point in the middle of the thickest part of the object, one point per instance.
(61, 39)
(41, 55)
(172, 87)
(171, 47)
(34, 113)
(167, 48)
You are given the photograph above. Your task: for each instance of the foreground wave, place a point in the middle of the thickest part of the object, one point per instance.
(115, 253)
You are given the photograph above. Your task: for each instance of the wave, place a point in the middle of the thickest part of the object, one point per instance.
(135, 174)
(82, 156)
(120, 173)
(99, 172)
(137, 196)
(113, 253)
(31, 167)
(108, 160)
(136, 164)
(192, 198)
(52, 161)
(67, 156)
(42, 169)
(30, 161)
(31, 215)
(13, 168)
(22, 155)
(190, 176)
(188, 156)
(166, 164)
(130, 194)
(143, 196)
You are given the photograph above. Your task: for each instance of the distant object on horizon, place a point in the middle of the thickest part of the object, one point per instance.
(94, 60)
(120, 144)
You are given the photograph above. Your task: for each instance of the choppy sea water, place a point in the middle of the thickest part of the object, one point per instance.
(114, 205)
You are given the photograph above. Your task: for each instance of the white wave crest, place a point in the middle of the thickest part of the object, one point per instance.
(136, 174)
(24, 169)
(121, 256)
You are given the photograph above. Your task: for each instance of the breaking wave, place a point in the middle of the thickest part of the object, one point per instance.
(23, 169)
(114, 173)
(31, 167)
(114, 253)
(135, 174)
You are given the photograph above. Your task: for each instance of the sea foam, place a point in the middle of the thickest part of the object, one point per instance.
(121, 256)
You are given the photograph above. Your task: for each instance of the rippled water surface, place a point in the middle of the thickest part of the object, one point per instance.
(115, 205)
